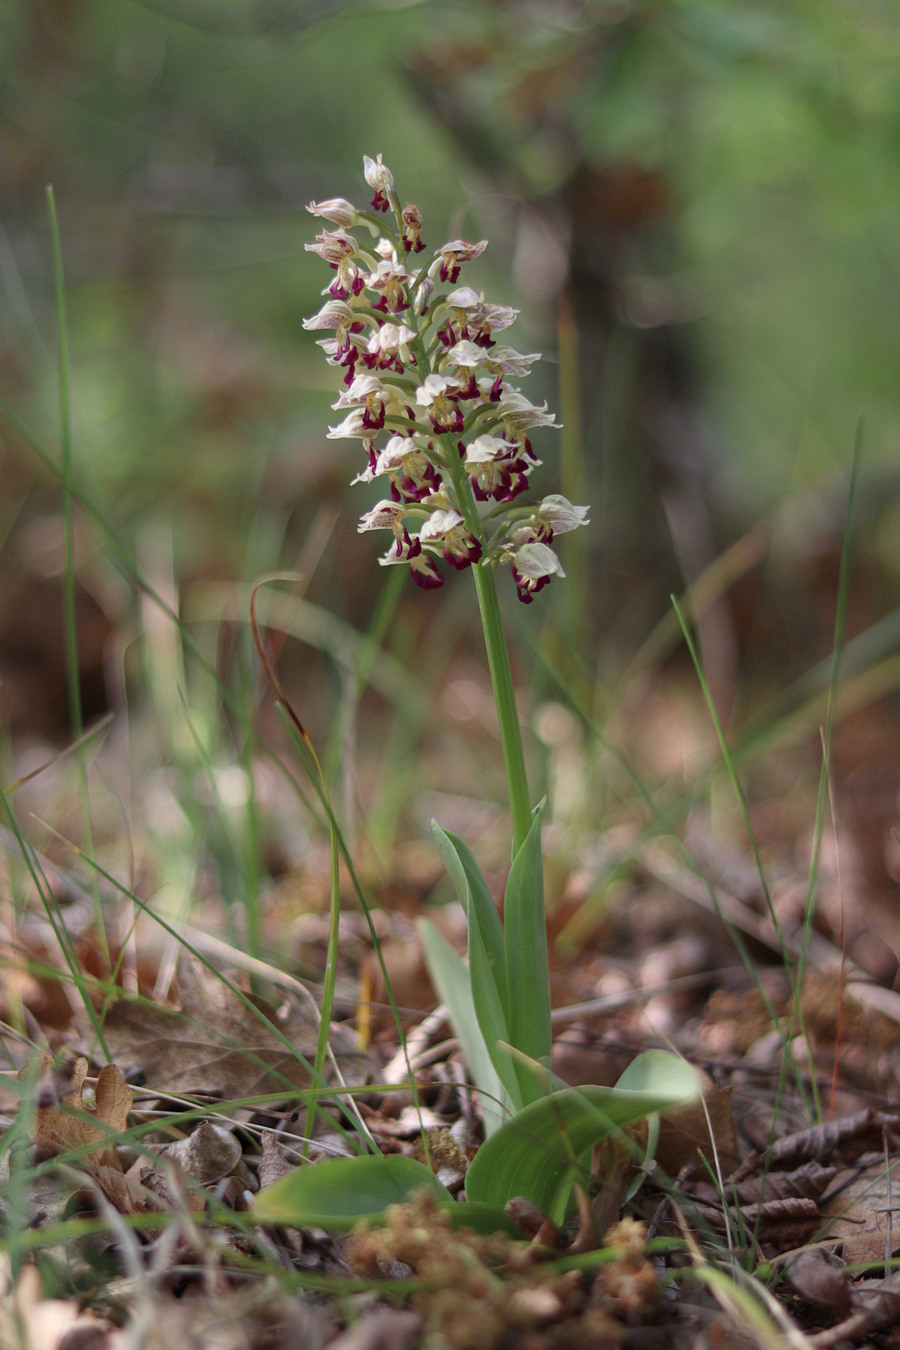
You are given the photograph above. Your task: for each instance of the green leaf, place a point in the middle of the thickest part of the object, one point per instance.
(451, 981)
(487, 954)
(662, 1073)
(536, 1153)
(528, 1006)
(336, 1193)
(472, 892)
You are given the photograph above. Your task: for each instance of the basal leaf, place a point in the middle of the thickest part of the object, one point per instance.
(536, 1153)
(451, 981)
(487, 954)
(528, 1006)
(336, 1193)
(472, 891)
(662, 1073)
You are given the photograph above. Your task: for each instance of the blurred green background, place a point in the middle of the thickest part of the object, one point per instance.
(695, 206)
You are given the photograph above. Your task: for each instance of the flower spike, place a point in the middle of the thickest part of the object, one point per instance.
(427, 396)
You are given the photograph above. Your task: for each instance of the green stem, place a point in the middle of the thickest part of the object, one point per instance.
(505, 697)
(488, 603)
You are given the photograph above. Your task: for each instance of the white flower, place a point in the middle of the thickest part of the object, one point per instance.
(477, 316)
(463, 298)
(467, 355)
(518, 414)
(361, 390)
(532, 569)
(561, 516)
(392, 337)
(449, 258)
(368, 475)
(333, 314)
(336, 209)
(484, 449)
(440, 523)
(390, 515)
(439, 393)
(498, 468)
(382, 516)
(389, 279)
(395, 454)
(457, 542)
(460, 250)
(422, 297)
(507, 360)
(409, 468)
(354, 424)
(422, 568)
(435, 389)
(333, 247)
(377, 175)
(535, 561)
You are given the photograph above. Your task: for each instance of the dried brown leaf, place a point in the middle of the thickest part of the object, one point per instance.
(272, 1165)
(797, 1215)
(702, 1129)
(64, 1121)
(810, 1180)
(166, 1182)
(126, 1192)
(820, 1279)
(876, 1305)
(208, 1154)
(213, 1043)
(529, 1217)
(860, 1214)
(834, 1139)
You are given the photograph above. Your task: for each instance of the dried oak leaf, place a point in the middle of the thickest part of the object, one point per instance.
(63, 1120)
(213, 1043)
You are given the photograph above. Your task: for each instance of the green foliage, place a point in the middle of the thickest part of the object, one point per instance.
(336, 1193)
(539, 1153)
(527, 970)
(536, 1154)
(508, 974)
(450, 977)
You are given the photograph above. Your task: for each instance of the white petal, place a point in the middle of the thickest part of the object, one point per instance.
(537, 560)
(559, 513)
(440, 523)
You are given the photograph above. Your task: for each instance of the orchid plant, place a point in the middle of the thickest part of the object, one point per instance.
(426, 393)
